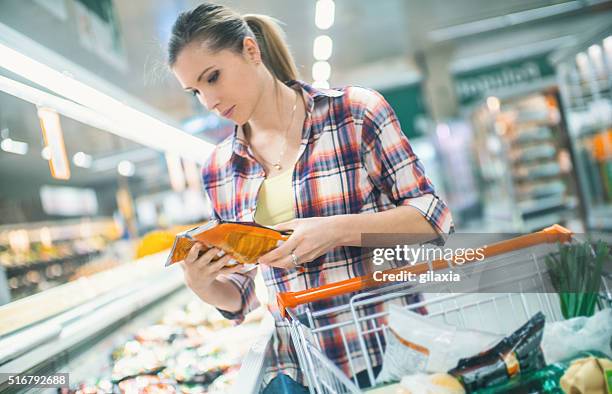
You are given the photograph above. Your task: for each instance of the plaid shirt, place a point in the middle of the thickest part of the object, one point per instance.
(353, 159)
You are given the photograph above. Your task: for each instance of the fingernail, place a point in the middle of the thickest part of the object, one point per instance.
(220, 253)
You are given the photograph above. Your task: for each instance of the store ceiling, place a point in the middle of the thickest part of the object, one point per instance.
(365, 32)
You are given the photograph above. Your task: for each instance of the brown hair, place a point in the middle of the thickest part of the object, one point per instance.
(221, 28)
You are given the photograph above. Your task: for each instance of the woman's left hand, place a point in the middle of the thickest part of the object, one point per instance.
(311, 238)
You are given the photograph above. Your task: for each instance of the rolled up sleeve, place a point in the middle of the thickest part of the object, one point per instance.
(246, 286)
(394, 168)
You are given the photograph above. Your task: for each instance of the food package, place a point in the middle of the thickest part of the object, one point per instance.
(588, 376)
(439, 383)
(564, 339)
(516, 354)
(415, 343)
(246, 242)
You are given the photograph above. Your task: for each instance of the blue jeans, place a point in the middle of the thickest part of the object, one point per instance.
(282, 383)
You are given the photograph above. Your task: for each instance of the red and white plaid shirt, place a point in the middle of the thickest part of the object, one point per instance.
(353, 159)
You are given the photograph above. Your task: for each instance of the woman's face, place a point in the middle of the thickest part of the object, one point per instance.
(226, 83)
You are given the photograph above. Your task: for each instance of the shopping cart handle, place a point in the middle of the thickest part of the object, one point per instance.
(291, 299)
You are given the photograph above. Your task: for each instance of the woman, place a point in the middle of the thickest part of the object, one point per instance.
(327, 164)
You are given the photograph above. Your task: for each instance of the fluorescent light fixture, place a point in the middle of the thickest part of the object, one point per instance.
(324, 14)
(45, 153)
(54, 139)
(322, 47)
(321, 71)
(321, 84)
(175, 172)
(120, 118)
(82, 160)
(126, 168)
(12, 146)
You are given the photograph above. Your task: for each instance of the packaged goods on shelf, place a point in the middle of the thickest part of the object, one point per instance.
(530, 180)
(585, 88)
(37, 256)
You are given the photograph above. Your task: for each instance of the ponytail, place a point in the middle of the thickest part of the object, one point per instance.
(221, 28)
(274, 50)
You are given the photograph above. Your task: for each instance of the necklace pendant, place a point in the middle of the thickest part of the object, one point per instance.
(277, 166)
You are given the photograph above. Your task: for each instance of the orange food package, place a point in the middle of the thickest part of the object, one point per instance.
(246, 242)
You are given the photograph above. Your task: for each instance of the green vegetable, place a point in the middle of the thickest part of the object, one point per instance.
(576, 272)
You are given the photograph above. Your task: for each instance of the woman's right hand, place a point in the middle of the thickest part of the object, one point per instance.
(201, 272)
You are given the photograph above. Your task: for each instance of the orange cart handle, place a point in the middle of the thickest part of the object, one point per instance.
(291, 299)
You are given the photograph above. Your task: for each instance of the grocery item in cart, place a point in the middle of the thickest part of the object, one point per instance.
(246, 242)
(588, 376)
(543, 381)
(418, 344)
(518, 353)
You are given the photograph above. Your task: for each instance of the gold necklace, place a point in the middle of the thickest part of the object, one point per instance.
(277, 165)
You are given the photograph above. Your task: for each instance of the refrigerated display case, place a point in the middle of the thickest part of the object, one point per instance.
(522, 148)
(584, 74)
(135, 326)
(37, 256)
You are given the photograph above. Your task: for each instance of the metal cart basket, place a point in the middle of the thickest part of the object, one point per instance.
(514, 284)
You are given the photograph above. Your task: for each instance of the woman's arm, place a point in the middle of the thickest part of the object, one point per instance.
(221, 294)
(404, 220)
(226, 288)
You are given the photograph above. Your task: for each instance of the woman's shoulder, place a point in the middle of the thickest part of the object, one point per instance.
(362, 100)
(219, 158)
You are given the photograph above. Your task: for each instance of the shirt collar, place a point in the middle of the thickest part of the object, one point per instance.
(240, 145)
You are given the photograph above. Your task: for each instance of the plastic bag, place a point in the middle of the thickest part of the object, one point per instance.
(439, 383)
(415, 344)
(564, 339)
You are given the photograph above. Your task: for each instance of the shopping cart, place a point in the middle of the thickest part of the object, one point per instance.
(516, 267)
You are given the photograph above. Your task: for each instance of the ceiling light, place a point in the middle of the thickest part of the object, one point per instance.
(321, 71)
(126, 168)
(12, 146)
(82, 160)
(324, 14)
(322, 48)
(125, 121)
